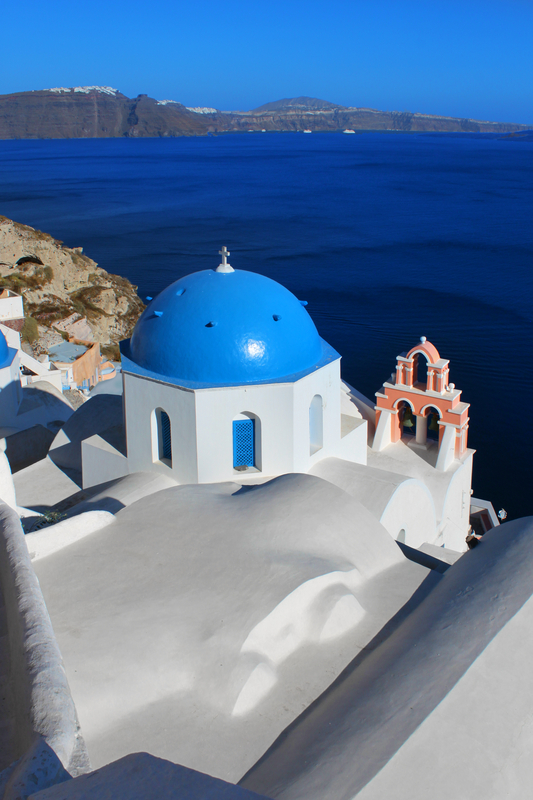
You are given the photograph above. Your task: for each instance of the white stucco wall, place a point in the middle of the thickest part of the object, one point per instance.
(441, 708)
(12, 337)
(141, 397)
(353, 444)
(282, 424)
(326, 383)
(40, 701)
(101, 462)
(215, 411)
(455, 519)
(410, 514)
(7, 487)
(41, 403)
(202, 426)
(451, 504)
(213, 616)
(10, 391)
(44, 370)
(403, 505)
(11, 307)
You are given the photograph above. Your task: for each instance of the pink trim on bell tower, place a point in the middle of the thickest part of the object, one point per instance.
(419, 389)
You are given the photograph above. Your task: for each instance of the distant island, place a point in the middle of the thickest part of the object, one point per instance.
(85, 112)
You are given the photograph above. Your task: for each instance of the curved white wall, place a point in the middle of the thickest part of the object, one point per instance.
(455, 520)
(411, 510)
(41, 696)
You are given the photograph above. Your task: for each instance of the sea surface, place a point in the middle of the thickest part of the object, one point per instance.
(389, 237)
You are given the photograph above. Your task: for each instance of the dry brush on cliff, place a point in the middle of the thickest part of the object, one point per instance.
(60, 283)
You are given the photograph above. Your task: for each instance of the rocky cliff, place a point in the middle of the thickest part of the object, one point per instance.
(307, 113)
(102, 112)
(86, 112)
(64, 289)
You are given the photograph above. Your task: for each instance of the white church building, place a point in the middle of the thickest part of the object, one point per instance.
(259, 574)
(226, 378)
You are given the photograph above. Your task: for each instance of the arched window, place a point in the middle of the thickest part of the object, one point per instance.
(161, 437)
(316, 425)
(421, 369)
(433, 417)
(406, 418)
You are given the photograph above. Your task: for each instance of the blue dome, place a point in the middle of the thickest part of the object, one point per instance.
(4, 352)
(228, 328)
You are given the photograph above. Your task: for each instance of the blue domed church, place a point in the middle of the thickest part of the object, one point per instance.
(224, 377)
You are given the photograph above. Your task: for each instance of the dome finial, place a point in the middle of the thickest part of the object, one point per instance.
(224, 266)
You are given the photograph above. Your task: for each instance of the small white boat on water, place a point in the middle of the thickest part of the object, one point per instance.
(348, 131)
(308, 131)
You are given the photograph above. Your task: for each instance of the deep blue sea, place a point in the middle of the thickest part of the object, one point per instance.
(388, 236)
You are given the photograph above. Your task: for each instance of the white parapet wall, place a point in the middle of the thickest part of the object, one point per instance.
(11, 306)
(12, 337)
(42, 707)
(41, 371)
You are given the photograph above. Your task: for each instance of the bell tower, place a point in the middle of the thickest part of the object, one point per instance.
(419, 399)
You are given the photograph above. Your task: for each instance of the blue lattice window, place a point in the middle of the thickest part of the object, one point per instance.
(164, 436)
(243, 443)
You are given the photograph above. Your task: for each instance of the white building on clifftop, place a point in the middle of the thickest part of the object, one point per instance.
(260, 574)
(226, 377)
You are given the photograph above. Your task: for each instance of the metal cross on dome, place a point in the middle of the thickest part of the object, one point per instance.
(224, 266)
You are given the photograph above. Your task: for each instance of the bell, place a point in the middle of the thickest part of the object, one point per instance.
(433, 423)
(408, 418)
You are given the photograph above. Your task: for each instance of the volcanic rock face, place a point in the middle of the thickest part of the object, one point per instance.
(295, 116)
(60, 283)
(297, 103)
(103, 112)
(91, 112)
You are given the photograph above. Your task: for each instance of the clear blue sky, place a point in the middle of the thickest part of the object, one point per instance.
(465, 58)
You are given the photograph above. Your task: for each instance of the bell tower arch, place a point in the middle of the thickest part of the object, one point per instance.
(421, 385)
